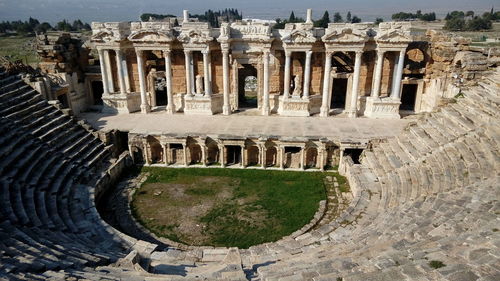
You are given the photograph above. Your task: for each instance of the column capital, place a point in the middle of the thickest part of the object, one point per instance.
(329, 53)
(359, 52)
(288, 53)
(225, 51)
(205, 51)
(187, 52)
(308, 53)
(139, 52)
(167, 52)
(402, 52)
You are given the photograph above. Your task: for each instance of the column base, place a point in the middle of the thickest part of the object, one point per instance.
(145, 108)
(118, 103)
(324, 112)
(294, 106)
(386, 107)
(351, 113)
(226, 110)
(202, 105)
(266, 111)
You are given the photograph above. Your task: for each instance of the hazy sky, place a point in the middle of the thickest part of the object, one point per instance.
(127, 10)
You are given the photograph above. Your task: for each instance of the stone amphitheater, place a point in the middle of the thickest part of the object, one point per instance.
(425, 191)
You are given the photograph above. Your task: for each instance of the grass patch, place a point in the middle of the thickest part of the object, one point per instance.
(19, 48)
(226, 207)
(436, 264)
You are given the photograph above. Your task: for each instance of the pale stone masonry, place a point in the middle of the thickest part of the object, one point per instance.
(318, 58)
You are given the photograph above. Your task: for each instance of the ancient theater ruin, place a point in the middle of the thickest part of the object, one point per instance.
(410, 118)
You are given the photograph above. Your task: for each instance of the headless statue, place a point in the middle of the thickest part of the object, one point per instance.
(199, 84)
(298, 86)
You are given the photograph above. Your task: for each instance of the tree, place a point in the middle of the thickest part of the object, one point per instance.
(324, 21)
(378, 21)
(43, 27)
(348, 18)
(478, 23)
(455, 24)
(469, 14)
(355, 19)
(292, 17)
(63, 26)
(337, 17)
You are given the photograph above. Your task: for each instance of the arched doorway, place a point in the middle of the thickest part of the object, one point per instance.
(271, 156)
(247, 87)
(253, 155)
(194, 153)
(212, 153)
(311, 158)
(156, 150)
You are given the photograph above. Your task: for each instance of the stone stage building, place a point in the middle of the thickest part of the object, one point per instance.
(301, 70)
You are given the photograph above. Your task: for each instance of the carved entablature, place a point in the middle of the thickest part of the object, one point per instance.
(151, 32)
(195, 33)
(394, 34)
(109, 32)
(251, 31)
(341, 33)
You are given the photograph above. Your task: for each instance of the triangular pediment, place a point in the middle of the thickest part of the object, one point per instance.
(299, 37)
(150, 36)
(346, 35)
(103, 36)
(394, 36)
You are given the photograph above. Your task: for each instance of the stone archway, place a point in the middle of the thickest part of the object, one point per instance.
(271, 156)
(155, 150)
(311, 160)
(137, 154)
(253, 155)
(247, 86)
(195, 155)
(213, 155)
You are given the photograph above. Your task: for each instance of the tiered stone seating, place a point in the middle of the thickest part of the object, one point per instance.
(430, 194)
(47, 161)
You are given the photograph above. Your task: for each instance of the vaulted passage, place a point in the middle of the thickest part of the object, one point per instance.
(247, 87)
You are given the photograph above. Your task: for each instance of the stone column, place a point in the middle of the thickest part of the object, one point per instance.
(187, 59)
(321, 155)
(203, 155)
(302, 158)
(355, 86)
(145, 151)
(142, 83)
(109, 70)
(226, 109)
(169, 154)
(396, 86)
(184, 151)
(307, 74)
(131, 153)
(288, 58)
(263, 159)
(222, 155)
(206, 75)
(265, 106)
(104, 73)
(325, 107)
(125, 74)
(168, 80)
(378, 74)
(243, 156)
(165, 158)
(119, 69)
(281, 152)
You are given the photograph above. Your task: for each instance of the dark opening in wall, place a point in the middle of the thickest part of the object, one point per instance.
(354, 153)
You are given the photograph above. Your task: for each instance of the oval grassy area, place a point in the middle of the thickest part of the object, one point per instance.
(226, 207)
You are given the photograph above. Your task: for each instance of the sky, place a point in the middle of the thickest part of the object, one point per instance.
(130, 10)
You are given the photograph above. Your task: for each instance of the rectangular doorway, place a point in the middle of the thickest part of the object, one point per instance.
(339, 92)
(408, 97)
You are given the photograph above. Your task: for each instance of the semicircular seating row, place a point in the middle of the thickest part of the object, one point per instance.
(48, 166)
(431, 193)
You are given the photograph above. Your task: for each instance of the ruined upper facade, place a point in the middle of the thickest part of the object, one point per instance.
(354, 69)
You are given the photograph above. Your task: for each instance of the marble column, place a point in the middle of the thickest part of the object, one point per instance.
(168, 79)
(378, 74)
(104, 73)
(165, 158)
(142, 82)
(119, 69)
(125, 74)
(288, 58)
(281, 158)
(187, 59)
(355, 86)
(307, 75)
(396, 86)
(109, 70)
(302, 158)
(206, 75)
(131, 153)
(325, 107)
(184, 151)
(203, 155)
(222, 156)
(265, 106)
(169, 154)
(226, 109)
(263, 152)
(243, 156)
(321, 155)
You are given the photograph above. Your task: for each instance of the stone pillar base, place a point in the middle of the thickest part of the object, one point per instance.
(293, 106)
(121, 104)
(382, 108)
(203, 105)
(226, 110)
